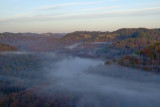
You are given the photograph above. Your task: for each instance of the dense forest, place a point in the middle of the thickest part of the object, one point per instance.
(5, 47)
(147, 59)
(15, 68)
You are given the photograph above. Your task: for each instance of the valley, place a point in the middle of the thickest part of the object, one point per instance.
(80, 69)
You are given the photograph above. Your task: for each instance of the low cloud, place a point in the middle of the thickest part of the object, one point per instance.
(103, 14)
(58, 6)
(98, 8)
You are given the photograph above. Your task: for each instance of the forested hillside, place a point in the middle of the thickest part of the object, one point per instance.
(18, 71)
(5, 47)
(139, 39)
(130, 39)
(147, 59)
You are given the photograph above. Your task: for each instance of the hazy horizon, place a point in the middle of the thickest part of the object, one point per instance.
(62, 16)
(80, 31)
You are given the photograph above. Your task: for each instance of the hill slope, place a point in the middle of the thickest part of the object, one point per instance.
(5, 47)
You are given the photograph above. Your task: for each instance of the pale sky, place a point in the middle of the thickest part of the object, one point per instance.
(63, 16)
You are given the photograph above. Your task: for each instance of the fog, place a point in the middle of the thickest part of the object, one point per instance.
(103, 85)
(91, 83)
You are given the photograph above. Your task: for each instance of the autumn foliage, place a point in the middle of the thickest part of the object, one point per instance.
(147, 59)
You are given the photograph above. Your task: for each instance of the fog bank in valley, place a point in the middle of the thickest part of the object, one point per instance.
(86, 82)
(103, 85)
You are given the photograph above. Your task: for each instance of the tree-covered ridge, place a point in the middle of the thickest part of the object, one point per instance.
(126, 39)
(5, 47)
(130, 38)
(18, 71)
(120, 34)
(139, 39)
(147, 59)
(29, 98)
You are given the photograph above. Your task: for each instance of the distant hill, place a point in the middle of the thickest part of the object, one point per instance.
(30, 41)
(126, 39)
(137, 38)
